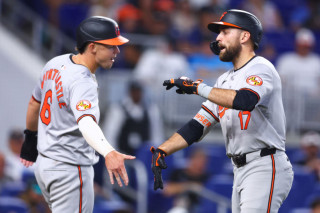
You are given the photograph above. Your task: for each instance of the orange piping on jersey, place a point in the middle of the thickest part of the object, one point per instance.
(251, 91)
(50, 74)
(272, 184)
(82, 116)
(80, 177)
(211, 113)
(35, 100)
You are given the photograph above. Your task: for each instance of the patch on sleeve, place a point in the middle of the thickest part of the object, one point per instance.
(83, 105)
(254, 80)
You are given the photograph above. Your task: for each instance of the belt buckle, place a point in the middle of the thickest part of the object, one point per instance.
(239, 160)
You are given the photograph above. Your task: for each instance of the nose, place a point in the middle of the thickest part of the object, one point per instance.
(116, 50)
(218, 37)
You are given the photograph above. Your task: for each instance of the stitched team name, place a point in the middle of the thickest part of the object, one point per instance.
(54, 75)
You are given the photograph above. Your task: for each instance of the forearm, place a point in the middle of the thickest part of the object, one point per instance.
(32, 115)
(222, 97)
(94, 136)
(175, 143)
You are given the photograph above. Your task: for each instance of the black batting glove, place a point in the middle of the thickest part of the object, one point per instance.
(157, 165)
(29, 150)
(185, 85)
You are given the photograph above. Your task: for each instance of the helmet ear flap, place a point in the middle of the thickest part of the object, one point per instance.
(215, 47)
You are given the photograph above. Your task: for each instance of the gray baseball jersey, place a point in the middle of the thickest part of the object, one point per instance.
(67, 92)
(264, 182)
(246, 131)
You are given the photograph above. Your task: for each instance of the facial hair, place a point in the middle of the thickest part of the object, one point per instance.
(230, 53)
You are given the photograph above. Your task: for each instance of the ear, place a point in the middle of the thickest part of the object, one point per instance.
(92, 47)
(245, 36)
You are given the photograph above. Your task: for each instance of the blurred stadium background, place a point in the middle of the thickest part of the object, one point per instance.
(173, 32)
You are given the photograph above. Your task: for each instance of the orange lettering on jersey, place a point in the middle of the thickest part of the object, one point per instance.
(203, 120)
(50, 73)
(222, 111)
(62, 104)
(58, 85)
(54, 75)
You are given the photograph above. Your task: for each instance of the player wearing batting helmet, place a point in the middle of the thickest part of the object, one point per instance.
(247, 102)
(62, 134)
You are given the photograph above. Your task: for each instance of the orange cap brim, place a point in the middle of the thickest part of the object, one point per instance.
(114, 41)
(214, 26)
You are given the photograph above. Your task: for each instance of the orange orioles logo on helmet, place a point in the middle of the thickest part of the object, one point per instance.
(83, 105)
(254, 80)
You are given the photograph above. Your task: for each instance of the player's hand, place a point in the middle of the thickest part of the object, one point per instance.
(26, 163)
(29, 151)
(115, 166)
(185, 85)
(157, 165)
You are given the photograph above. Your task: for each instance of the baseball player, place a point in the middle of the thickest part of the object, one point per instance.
(63, 116)
(247, 102)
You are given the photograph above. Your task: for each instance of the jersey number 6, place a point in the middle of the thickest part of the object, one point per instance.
(45, 113)
(242, 115)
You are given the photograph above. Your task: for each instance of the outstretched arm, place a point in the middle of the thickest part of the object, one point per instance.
(114, 160)
(175, 143)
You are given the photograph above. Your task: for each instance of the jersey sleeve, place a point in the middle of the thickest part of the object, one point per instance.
(84, 100)
(260, 81)
(36, 93)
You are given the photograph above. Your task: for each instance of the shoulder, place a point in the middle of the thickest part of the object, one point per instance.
(259, 64)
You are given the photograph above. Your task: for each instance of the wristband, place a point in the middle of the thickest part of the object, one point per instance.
(204, 90)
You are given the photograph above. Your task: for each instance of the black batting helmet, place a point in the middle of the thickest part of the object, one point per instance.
(99, 29)
(240, 19)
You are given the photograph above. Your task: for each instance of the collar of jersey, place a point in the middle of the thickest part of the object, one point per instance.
(245, 64)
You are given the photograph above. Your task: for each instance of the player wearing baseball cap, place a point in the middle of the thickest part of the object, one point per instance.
(62, 132)
(247, 102)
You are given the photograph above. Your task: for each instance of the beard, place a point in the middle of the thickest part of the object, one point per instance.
(230, 53)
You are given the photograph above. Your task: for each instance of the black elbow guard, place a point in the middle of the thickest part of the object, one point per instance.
(191, 131)
(245, 100)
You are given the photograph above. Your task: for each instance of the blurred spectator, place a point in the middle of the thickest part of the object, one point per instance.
(133, 122)
(159, 64)
(301, 69)
(205, 64)
(300, 74)
(183, 183)
(14, 168)
(34, 199)
(314, 20)
(265, 11)
(184, 20)
(310, 145)
(315, 206)
(108, 8)
(130, 19)
(4, 178)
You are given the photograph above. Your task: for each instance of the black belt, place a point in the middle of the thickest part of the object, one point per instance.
(241, 160)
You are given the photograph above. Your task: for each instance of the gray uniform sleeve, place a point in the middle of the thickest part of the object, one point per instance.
(36, 93)
(259, 79)
(84, 100)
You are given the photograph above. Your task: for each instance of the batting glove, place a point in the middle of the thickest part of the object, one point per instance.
(29, 150)
(157, 165)
(185, 85)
